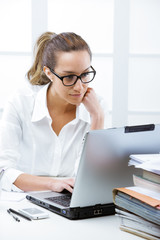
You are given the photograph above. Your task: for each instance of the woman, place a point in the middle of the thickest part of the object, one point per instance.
(44, 125)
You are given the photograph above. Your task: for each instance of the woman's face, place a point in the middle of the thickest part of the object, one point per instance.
(75, 62)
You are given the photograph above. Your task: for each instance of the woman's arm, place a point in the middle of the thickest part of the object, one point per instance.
(91, 103)
(10, 138)
(27, 182)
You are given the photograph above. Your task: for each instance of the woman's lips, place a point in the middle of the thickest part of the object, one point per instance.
(76, 95)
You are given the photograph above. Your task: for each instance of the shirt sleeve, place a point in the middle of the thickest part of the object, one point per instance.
(104, 106)
(9, 176)
(10, 137)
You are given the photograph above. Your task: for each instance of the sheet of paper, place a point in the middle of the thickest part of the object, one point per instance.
(150, 162)
(141, 158)
(145, 192)
(12, 196)
(153, 164)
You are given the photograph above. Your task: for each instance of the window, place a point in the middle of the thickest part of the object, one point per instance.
(144, 62)
(124, 38)
(15, 45)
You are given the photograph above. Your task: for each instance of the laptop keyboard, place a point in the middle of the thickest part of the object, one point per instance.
(61, 200)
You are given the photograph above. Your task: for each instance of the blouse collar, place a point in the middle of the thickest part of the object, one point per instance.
(40, 109)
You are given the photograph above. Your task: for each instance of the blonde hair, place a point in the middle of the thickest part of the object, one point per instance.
(46, 53)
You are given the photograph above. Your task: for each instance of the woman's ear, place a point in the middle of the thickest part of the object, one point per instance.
(47, 71)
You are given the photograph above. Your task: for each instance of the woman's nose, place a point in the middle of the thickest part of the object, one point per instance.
(78, 85)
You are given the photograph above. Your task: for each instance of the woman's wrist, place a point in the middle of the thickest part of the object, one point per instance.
(97, 120)
(51, 184)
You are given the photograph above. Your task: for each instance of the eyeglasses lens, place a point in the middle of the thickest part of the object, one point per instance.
(85, 77)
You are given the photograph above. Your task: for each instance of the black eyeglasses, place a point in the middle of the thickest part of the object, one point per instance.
(70, 80)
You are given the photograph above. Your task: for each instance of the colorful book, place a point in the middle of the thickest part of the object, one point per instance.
(133, 223)
(143, 182)
(139, 233)
(151, 176)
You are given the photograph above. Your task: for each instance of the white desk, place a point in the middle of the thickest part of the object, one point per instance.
(57, 227)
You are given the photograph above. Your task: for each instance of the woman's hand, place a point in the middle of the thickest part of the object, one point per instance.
(58, 185)
(92, 105)
(27, 182)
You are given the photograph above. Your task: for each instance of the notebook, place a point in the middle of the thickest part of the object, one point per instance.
(1, 175)
(103, 166)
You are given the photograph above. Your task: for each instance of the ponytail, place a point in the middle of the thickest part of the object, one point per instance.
(36, 75)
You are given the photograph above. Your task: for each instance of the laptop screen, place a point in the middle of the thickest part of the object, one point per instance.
(104, 161)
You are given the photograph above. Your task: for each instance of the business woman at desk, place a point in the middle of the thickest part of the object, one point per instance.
(44, 124)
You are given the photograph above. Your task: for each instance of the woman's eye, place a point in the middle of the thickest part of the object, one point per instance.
(85, 74)
(71, 77)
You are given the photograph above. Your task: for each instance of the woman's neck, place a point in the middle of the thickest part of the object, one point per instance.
(58, 105)
(61, 113)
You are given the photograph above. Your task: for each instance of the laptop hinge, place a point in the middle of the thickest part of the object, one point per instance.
(140, 128)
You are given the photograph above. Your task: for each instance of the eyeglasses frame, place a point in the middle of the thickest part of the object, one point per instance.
(78, 77)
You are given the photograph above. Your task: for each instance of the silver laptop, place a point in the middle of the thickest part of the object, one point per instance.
(103, 166)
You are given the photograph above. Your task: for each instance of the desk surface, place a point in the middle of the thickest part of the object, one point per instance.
(58, 227)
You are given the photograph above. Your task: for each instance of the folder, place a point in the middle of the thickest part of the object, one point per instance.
(143, 198)
(138, 203)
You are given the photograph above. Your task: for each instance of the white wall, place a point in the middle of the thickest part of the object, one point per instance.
(124, 37)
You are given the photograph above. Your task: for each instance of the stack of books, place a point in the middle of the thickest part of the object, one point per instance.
(138, 206)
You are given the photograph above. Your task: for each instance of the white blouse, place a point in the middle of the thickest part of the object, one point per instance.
(29, 144)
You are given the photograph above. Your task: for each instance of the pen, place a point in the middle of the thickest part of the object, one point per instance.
(1, 173)
(19, 214)
(17, 219)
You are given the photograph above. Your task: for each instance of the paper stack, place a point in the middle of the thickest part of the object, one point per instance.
(149, 162)
(138, 207)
